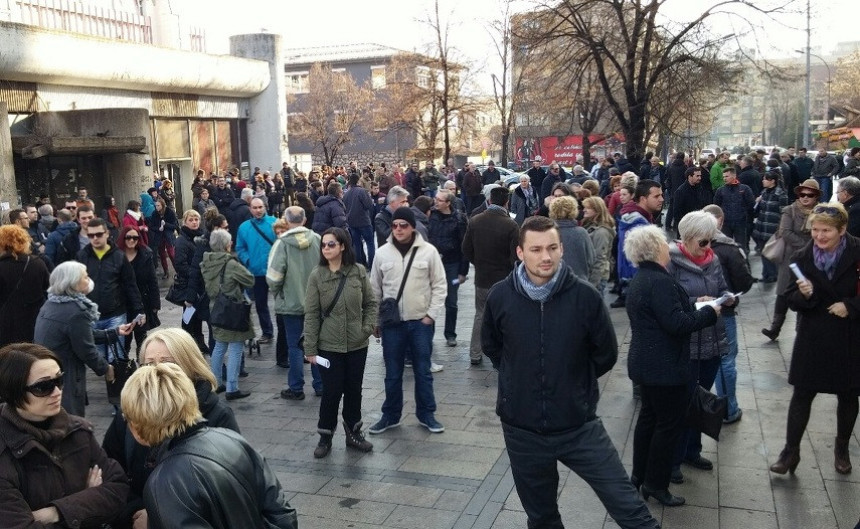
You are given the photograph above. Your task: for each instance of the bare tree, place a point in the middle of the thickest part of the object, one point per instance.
(846, 81)
(331, 113)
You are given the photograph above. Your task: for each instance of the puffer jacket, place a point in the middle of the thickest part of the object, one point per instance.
(352, 319)
(252, 248)
(446, 233)
(236, 279)
(548, 362)
(56, 476)
(330, 213)
(706, 280)
(292, 259)
(215, 474)
(183, 262)
(54, 244)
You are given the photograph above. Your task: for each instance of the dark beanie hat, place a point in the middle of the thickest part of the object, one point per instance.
(404, 213)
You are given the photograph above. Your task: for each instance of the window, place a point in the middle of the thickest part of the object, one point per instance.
(297, 82)
(377, 77)
(422, 74)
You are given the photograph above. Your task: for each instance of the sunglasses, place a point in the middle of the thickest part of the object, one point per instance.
(807, 195)
(331, 244)
(45, 387)
(131, 237)
(705, 242)
(827, 210)
(399, 225)
(96, 235)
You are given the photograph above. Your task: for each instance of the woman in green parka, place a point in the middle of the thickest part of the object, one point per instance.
(337, 328)
(236, 279)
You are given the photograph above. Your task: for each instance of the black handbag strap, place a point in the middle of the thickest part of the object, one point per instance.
(18, 284)
(263, 235)
(405, 275)
(340, 284)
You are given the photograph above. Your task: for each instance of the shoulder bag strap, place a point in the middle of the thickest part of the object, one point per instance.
(263, 235)
(406, 275)
(18, 284)
(327, 312)
(221, 282)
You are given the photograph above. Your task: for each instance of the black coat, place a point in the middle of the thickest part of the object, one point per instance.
(826, 354)
(196, 292)
(675, 176)
(222, 198)
(237, 213)
(185, 249)
(689, 198)
(214, 474)
(23, 282)
(548, 361)
(156, 234)
(853, 207)
(330, 213)
(662, 319)
(736, 270)
(752, 179)
(147, 283)
(115, 289)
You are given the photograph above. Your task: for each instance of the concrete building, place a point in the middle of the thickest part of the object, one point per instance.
(104, 98)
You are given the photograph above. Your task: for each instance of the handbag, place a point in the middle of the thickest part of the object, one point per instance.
(175, 295)
(706, 411)
(228, 314)
(123, 368)
(774, 249)
(327, 312)
(389, 312)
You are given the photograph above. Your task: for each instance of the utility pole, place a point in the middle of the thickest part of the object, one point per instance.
(807, 139)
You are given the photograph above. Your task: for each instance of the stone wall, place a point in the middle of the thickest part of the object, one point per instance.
(362, 158)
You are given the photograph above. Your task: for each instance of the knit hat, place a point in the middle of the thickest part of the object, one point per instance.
(404, 213)
(809, 184)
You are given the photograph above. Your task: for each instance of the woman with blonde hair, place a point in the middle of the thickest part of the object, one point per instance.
(578, 251)
(173, 346)
(23, 281)
(600, 226)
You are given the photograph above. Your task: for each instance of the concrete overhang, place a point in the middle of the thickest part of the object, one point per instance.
(31, 147)
(39, 55)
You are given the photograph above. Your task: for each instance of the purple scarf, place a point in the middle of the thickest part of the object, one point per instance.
(826, 261)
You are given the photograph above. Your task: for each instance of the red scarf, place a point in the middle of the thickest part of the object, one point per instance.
(702, 261)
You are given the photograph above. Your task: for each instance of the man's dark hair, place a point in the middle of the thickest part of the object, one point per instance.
(14, 214)
(83, 209)
(16, 360)
(537, 223)
(353, 179)
(729, 170)
(97, 223)
(643, 189)
(691, 170)
(63, 215)
(499, 196)
(423, 203)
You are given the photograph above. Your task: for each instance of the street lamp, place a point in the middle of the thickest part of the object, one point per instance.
(829, 82)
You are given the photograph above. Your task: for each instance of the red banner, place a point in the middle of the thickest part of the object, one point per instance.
(553, 148)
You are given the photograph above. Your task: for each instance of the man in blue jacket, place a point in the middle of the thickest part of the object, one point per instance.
(254, 239)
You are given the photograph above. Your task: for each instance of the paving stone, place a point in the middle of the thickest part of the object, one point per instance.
(741, 488)
(747, 519)
(459, 469)
(407, 517)
(382, 492)
(343, 508)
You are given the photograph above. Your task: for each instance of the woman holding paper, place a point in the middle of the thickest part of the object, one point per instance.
(340, 315)
(826, 354)
(697, 268)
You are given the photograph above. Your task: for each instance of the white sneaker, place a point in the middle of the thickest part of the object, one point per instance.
(435, 368)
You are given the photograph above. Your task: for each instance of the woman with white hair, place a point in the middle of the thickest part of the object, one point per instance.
(64, 326)
(697, 268)
(662, 319)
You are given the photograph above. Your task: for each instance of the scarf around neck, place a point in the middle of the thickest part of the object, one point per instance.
(53, 430)
(827, 261)
(86, 304)
(135, 214)
(538, 293)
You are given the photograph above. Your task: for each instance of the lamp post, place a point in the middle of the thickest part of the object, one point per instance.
(829, 84)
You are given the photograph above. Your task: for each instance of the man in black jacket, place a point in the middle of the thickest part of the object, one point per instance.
(447, 229)
(223, 196)
(690, 196)
(548, 364)
(115, 291)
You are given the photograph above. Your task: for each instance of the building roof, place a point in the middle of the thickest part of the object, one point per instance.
(338, 53)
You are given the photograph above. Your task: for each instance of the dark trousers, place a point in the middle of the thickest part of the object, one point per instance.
(261, 303)
(194, 327)
(739, 232)
(586, 450)
(281, 355)
(657, 432)
(365, 234)
(799, 409)
(690, 442)
(452, 271)
(342, 378)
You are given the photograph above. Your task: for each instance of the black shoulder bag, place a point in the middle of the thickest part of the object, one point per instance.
(327, 312)
(228, 314)
(389, 312)
(706, 410)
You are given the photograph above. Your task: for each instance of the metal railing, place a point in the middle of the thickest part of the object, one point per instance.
(68, 15)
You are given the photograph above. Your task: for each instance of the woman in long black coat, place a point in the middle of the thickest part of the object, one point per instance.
(826, 354)
(142, 260)
(23, 281)
(662, 318)
(185, 248)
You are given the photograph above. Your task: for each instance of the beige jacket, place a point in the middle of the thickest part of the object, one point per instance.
(426, 286)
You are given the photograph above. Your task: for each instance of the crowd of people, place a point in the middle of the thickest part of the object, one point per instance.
(347, 253)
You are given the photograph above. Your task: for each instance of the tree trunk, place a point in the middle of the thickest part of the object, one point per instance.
(586, 149)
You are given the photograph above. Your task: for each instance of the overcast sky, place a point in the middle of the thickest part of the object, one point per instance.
(397, 23)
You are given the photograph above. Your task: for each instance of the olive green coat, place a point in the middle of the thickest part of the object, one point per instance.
(236, 279)
(352, 318)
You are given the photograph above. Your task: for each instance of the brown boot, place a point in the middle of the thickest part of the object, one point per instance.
(788, 460)
(324, 446)
(355, 439)
(842, 459)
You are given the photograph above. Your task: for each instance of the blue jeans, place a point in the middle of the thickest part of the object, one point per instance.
(294, 326)
(261, 302)
(395, 339)
(826, 185)
(110, 323)
(729, 366)
(690, 443)
(452, 271)
(234, 363)
(364, 233)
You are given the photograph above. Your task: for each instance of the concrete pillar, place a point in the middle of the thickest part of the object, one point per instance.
(165, 25)
(267, 119)
(8, 189)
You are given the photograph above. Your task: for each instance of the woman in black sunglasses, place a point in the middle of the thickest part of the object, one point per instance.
(57, 471)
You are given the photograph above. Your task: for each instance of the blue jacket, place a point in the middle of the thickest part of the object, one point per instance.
(251, 248)
(359, 207)
(55, 239)
(631, 217)
(147, 205)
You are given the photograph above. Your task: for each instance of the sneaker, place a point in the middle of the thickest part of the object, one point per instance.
(266, 338)
(731, 419)
(432, 424)
(435, 368)
(292, 395)
(451, 342)
(233, 395)
(383, 424)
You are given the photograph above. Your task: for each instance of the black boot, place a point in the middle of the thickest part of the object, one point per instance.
(775, 327)
(354, 438)
(324, 446)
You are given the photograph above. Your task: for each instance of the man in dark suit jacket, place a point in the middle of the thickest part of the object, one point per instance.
(490, 244)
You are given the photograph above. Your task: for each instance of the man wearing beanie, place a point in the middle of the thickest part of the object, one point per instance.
(403, 273)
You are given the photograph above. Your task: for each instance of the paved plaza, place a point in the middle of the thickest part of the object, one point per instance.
(461, 478)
